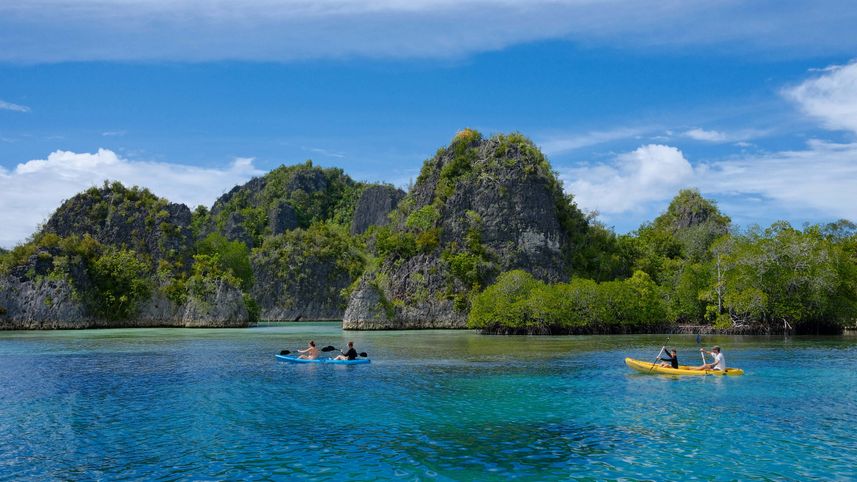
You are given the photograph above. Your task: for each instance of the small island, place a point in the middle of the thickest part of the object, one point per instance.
(486, 238)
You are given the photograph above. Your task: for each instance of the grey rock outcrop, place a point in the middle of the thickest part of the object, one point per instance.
(373, 207)
(127, 217)
(48, 304)
(224, 308)
(504, 198)
(303, 274)
(34, 297)
(40, 305)
(282, 218)
(234, 229)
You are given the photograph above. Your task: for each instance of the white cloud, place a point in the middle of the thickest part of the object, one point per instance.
(34, 189)
(113, 133)
(201, 30)
(558, 144)
(651, 173)
(830, 98)
(13, 107)
(738, 136)
(704, 135)
(818, 182)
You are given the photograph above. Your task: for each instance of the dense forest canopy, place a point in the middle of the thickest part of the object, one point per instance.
(691, 267)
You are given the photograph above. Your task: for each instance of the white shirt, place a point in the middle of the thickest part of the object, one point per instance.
(719, 361)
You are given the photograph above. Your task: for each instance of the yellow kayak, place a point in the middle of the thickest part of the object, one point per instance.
(649, 367)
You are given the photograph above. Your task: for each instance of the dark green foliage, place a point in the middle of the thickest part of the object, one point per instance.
(463, 156)
(688, 299)
(392, 244)
(601, 255)
(297, 251)
(120, 280)
(207, 274)
(316, 194)
(428, 240)
(200, 221)
(253, 309)
(784, 276)
(233, 256)
(693, 224)
(518, 303)
(111, 281)
(466, 267)
(423, 218)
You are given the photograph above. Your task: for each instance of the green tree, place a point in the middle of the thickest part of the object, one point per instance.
(121, 280)
(233, 256)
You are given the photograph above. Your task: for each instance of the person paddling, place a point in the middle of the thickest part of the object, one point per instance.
(673, 359)
(351, 354)
(310, 353)
(719, 361)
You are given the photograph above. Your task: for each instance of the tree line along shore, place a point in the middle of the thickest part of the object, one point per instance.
(486, 238)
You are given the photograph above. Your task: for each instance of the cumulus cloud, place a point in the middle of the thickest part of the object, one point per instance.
(650, 173)
(831, 97)
(13, 107)
(819, 181)
(201, 30)
(34, 189)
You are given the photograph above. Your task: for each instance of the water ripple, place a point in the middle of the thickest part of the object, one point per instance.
(214, 405)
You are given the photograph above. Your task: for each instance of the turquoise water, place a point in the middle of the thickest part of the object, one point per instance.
(434, 405)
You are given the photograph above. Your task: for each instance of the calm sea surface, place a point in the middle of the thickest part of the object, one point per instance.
(169, 404)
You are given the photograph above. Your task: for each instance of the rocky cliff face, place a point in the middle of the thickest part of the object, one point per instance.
(128, 217)
(286, 198)
(373, 207)
(106, 258)
(303, 273)
(35, 296)
(301, 261)
(480, 207)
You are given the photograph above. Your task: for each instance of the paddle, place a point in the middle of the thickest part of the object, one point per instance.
(659, 355)
(362, 353)
(325, 349)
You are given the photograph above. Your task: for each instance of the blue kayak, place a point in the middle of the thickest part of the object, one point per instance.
(331, 361)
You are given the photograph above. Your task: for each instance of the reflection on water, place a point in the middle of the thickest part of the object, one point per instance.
(442, 405)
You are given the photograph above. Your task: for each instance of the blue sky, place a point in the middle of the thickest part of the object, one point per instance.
(754, 104)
